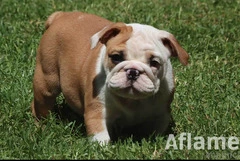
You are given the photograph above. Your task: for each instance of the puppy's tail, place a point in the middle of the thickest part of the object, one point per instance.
(52, 18)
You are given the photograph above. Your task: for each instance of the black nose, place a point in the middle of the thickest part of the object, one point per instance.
(132, 74)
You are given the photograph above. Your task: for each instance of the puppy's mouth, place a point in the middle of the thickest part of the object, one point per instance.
(135, 81)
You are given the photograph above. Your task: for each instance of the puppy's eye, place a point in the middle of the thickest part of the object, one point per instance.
(116, 58)
(155, 63)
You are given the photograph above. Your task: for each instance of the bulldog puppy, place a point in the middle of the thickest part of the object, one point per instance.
(118, 76)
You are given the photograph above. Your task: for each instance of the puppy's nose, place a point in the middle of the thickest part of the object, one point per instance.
(132, 74)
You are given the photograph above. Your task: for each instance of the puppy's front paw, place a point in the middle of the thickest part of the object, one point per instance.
(102, 138)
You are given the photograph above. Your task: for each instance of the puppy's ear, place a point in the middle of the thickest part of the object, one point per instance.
(174, 47)
(108, 32)
(112, 32)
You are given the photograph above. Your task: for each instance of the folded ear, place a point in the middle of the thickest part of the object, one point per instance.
(107, 33)
(174, 47)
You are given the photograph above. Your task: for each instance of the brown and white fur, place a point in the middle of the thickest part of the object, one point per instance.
(118, 76)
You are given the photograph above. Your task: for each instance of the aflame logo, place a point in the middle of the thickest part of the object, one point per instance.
(185, 140)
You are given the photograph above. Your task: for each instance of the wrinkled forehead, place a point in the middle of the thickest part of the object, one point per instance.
(144, 41)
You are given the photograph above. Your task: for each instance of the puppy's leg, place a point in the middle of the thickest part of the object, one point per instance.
(94, 117)
(46, 88)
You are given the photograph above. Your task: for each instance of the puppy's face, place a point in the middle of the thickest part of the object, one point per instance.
(136, 59)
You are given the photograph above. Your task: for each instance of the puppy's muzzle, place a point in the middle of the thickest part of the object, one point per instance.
(132, 74)
(132, 79)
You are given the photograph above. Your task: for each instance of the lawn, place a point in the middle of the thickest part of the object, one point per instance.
(207, 97)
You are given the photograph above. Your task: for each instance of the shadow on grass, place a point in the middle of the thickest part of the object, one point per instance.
(65, 114)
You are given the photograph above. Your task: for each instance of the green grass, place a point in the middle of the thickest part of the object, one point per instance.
(207, 97)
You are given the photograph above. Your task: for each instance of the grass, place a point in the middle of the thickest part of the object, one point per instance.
(207, 97)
